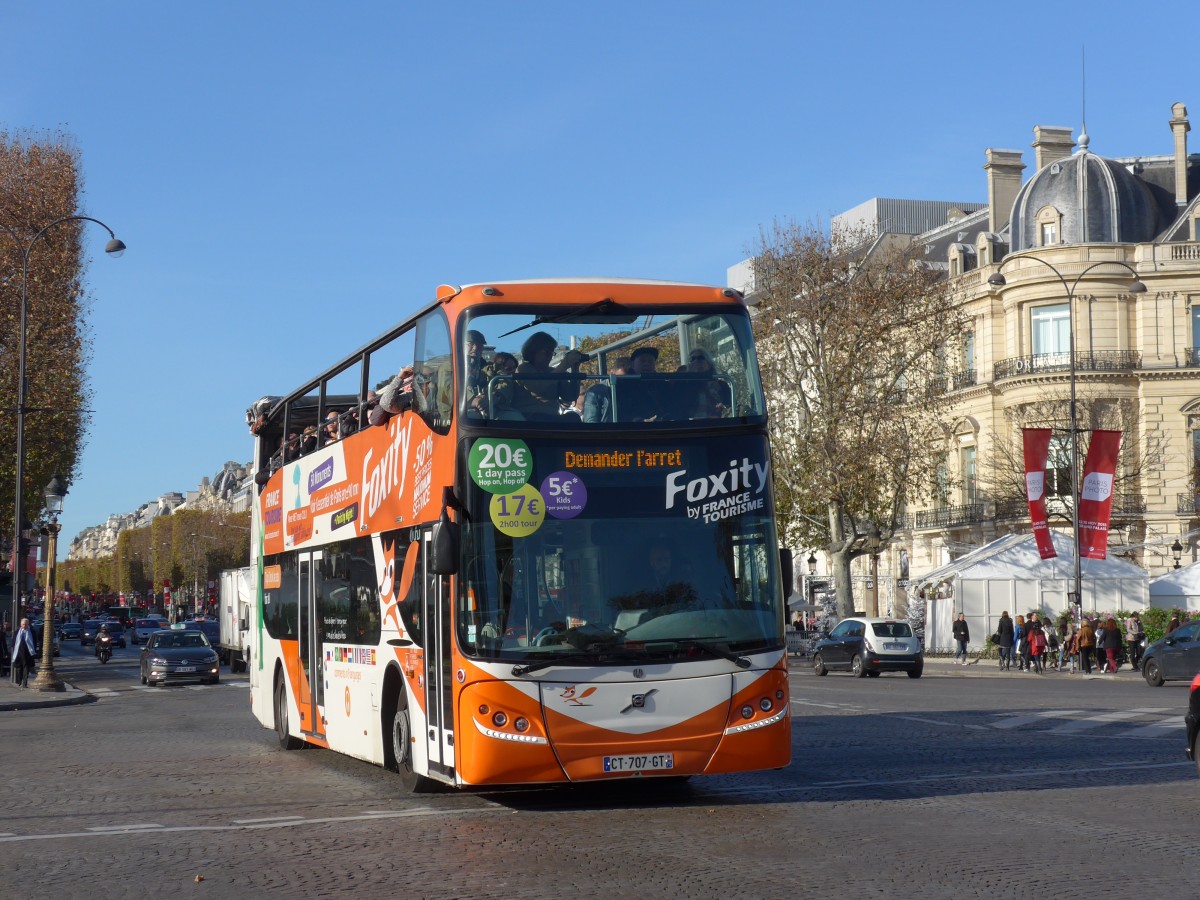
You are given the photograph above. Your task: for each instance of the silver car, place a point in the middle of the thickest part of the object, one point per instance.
(179, 655)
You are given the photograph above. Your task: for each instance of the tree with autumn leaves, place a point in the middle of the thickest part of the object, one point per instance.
(853, 334)
(39, 184)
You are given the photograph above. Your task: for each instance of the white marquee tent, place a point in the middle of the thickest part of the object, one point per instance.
(1009, 575)
(1179, 588)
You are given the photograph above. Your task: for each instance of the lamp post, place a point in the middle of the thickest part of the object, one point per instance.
(47, 678)
(1177, 552)
(873, 543)
(998, 280)
(113, 248)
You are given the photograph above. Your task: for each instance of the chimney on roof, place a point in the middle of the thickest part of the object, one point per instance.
(1004, 169)
(1180, 128)
(1051, 143)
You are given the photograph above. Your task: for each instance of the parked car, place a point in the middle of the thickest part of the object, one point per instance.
(181, 654)
(143, 628)
(866, 647)
(1175, 657)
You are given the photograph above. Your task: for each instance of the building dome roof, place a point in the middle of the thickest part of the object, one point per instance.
(1098, 201)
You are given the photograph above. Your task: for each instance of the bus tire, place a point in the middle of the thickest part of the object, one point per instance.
(286, 741)
(402, 741)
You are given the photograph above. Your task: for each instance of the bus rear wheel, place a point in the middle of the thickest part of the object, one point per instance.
(286, 741)
(402, 743)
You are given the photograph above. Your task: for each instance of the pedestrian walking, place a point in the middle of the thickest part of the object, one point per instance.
(1004, 640)
(1112, 644)
(1037, 644)
(962, 634)
(1174, 623)
(1019, 643)
(1087, 643)
(1135, 635)
(22, 656)
(1069, 650)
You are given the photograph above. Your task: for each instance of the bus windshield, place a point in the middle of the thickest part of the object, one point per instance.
(601, 363)
(656, 553)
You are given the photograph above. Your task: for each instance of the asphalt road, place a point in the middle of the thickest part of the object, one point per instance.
(946, 786)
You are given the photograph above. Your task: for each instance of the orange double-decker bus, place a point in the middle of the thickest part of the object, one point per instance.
(527, 537)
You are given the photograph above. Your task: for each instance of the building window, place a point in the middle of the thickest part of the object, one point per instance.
(969, 352)
(942, 484)
(1049, 233)
(968, 475)
(1195, 330)
(1051, 329)
(1058, 467)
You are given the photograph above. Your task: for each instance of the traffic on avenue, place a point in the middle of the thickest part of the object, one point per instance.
(970, 781)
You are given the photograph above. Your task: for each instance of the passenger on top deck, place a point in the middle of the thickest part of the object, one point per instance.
(538, 396)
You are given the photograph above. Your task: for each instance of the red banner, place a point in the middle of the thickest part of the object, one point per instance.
(1037, 449)
(1095, 497)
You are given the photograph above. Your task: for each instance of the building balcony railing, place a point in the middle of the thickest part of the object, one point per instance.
(954, 381)
(948, 516)
(1187, 504)
(1090, 361)
(1124, 507)
(1191, 356)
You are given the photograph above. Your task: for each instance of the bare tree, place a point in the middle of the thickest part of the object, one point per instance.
(852, 336)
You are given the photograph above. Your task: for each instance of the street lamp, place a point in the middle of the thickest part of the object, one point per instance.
(998, 280)
(47, 679)
(812, 564)
(1177, 552)
(873, 543)
(113, 248)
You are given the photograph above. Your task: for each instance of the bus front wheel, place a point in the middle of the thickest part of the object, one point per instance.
(402, 743)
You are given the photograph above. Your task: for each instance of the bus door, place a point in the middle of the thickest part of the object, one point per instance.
(310, 692)
(439, 707)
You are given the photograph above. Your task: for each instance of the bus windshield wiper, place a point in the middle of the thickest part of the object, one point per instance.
(740, 661)
(602, 312)
(520, 671)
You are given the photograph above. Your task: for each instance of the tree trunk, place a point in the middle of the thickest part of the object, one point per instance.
(839, 565)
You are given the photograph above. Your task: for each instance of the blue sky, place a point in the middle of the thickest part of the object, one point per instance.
(294, 178)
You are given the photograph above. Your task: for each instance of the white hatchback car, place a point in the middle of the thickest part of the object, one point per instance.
(865, 647)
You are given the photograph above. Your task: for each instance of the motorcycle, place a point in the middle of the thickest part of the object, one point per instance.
(104, 647)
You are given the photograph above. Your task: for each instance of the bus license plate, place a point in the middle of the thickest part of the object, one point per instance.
(648, 762)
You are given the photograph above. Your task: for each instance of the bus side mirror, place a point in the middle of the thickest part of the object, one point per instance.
(785, 570)
(443, 548)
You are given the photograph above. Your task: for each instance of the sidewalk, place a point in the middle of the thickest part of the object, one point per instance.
(990, 668)
(14, 698)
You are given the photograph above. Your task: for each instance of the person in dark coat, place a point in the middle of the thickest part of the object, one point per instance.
(1004, 635)
(22, 654)
(962, 634)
